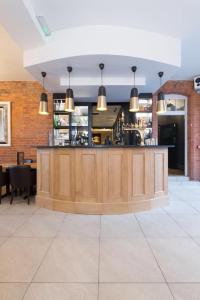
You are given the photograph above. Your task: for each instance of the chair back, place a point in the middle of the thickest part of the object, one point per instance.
(1, 176)
(20, 176)
(4, 178)
(20, 158)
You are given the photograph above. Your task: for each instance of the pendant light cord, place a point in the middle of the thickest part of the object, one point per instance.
(43, 77)
(69, 80)
(134, 79)
(160, 74)
(101, 77)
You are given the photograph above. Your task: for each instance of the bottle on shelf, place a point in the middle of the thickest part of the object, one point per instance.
(149, 124)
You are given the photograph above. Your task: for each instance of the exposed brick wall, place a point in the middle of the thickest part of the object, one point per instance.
(28, 127)
(186, 88)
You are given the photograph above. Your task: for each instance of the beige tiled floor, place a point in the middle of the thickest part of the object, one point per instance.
(147, 255)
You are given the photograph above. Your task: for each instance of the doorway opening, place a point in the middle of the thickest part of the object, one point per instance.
(172, 130)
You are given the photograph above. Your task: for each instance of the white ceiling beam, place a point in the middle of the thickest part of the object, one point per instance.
(107, 40)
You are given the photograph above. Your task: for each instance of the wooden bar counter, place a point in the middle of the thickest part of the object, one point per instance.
(102, 180)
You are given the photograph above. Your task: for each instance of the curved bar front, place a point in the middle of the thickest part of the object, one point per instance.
(102, 180)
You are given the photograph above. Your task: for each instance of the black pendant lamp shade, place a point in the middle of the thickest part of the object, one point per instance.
(43, 108)
(69, 101)
(134, 102)
(101, 102)
(161, 96)
(69, 93)
(102, 91)
(134, 92)
(161, 103)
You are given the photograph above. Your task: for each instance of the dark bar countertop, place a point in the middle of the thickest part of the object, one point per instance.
(105, 146)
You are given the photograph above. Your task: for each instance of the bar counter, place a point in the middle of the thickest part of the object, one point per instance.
(102, 179)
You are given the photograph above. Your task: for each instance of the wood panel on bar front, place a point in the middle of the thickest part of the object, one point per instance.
(102, 180)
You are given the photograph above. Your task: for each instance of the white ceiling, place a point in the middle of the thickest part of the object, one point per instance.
(178, 19)
(11, 59)
(169, 17)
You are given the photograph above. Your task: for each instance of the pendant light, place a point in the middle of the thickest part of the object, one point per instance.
(161, 103)
(43, 108)
(134, 102)
(69, 101)
(101, 102)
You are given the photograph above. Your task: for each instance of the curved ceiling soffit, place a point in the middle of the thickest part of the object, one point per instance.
(106, 40)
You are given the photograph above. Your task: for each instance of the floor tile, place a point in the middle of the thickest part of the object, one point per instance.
(197, 240)
(127, 260)
(40, 226)
(4, 206)
(2, 240)
(153, 211)
(80, 226)
(178, 258)
(173, 198)
(155, 226)
(185, 291)
(61, 291)
(20, 258)
(134, 291)
(120, 226)
(45, 211)
(194, 204)
(21, 208)
(179, 207)
(189, 195)
(70, 260)
(12, 291)
(189, 223)
(10, 223)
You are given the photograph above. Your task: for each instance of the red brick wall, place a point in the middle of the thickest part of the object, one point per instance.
(28, 127)
(186, 88)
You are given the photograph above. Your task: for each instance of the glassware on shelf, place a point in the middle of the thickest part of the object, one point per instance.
(80, 116)
(151, 142)
(62, 105)
(51, 137)
(61, 136)
(70, 128)
(61, 120)
(59, 105)
(145, 105)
